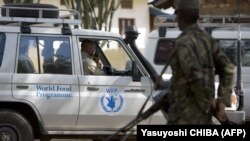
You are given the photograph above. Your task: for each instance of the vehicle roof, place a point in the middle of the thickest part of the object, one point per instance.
(42, 22)
(170, 33)
(57, 30)
(218, 33)
(231, 33)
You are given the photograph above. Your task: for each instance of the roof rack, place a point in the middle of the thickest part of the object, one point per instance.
(208, 21)
(39, 15)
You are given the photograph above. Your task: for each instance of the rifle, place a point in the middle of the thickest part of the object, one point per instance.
(161, 100)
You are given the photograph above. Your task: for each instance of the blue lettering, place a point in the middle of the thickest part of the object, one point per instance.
(38, 94)
(49, 95)
(112, 90)
(64, 88)
(45, 88)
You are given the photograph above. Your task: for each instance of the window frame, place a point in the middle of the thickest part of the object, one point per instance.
(127, 4)
(123, 23)
(2, 47)
(128, 51)
(156, 59)
(235, 49)
(39, 51)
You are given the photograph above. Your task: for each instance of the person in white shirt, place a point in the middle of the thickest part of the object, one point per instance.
(91, 62)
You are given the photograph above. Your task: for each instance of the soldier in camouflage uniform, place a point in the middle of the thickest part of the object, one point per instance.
(195, 62)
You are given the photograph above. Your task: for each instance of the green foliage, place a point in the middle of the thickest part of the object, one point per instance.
(95, 14)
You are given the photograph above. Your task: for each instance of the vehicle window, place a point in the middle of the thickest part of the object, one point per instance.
(41, 54)
(245, 44)
(230, 47)
(115, 54)
(2, 43)
(113, 58)
(163, 50)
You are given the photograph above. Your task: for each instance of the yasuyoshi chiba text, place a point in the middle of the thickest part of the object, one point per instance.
(195, 133)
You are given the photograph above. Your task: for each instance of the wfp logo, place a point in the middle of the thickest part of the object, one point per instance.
(112, 101)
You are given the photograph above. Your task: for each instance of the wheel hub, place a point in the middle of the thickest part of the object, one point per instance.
(7, 134)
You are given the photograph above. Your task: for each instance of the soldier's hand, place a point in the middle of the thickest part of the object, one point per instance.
(218, 111)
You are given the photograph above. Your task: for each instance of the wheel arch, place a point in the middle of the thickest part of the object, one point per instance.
(28, 112)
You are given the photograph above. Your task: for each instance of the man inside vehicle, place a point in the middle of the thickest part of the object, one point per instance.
(90, 59)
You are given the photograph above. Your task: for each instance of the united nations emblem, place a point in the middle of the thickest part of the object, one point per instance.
(111, 102)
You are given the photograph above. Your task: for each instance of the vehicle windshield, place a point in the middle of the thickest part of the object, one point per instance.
(230, 48)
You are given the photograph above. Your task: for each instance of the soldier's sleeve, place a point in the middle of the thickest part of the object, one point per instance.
(188, 61)
(226, 70)
(191, 67)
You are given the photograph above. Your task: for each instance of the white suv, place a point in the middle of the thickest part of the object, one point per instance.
(43, 89)
(160, 42)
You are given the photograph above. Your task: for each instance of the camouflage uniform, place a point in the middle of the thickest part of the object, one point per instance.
(195, 61)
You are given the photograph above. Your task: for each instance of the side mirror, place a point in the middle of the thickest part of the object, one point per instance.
(136, 75)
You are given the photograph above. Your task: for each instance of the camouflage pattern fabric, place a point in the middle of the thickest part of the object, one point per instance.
(195, 62)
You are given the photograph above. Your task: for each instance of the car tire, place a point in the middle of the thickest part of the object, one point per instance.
(32, 13)
(14, 127)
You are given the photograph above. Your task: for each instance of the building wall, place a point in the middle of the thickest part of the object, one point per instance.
(139, 13)
(224, 7)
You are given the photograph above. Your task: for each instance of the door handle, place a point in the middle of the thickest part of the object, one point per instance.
(92, 88)
(22, 87)
(134, 90)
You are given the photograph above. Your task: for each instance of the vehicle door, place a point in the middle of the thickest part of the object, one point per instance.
(111, 100)
(44, 78)
(245, 46)
(228, 41)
